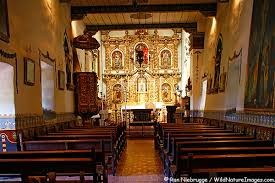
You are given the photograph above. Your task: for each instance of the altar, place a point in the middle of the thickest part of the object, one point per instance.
(141, 120)
(142, 115)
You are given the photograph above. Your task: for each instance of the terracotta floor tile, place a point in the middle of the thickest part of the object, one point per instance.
(140, 163)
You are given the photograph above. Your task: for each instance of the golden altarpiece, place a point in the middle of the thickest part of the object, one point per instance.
(134, 82)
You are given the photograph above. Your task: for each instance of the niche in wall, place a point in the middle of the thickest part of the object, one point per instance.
(7, 89)
(48, 86)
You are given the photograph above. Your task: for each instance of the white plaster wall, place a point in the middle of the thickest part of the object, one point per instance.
(38, 25)
(78, 28)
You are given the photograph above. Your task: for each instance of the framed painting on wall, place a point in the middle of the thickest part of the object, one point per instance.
(61, 80)
(4, 21)
(260, 71)
(29, 71)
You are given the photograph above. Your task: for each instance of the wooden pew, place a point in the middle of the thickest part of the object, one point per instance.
(160, 138)
(41, 163)
(73, 137)
(191, 162)
(225, 150)
(104, 145)
(176, 157)
(196, 141)
(101, 141)
(252, 172)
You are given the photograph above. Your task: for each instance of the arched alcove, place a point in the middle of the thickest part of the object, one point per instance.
(117, 93)
(166, 92)
(7, 106)
(47, 66)
(141, 54)
(117, 59)
(165, 58)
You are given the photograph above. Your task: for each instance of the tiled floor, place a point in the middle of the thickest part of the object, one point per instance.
(139, 163)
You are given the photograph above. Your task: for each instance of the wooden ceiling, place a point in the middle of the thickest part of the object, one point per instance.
(134, 14)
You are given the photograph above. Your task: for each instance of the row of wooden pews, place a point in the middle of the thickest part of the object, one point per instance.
(80, 151)
(203, 151)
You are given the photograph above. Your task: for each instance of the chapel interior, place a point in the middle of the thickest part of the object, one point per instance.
(144, 91)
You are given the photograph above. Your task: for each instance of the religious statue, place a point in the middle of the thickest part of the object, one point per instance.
(141, 52)
(142, 84)
(117, 59)
(165, 93)
(165, 58)
(117, 95)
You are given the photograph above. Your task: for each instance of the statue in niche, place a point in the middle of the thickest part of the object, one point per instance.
(117, 93)
(142, 84)
(166, 90)
(117, 59)
(166, 59)
(141, 52)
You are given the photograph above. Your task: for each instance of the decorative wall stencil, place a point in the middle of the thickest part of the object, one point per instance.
(8, 141)
(233, 80)
(260, 80)
(218, 58)
(165, 59)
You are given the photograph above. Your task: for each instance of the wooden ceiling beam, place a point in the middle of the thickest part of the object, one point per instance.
(207, 9)
(189, 27)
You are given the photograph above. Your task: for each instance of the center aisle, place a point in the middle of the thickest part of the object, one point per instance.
(139, 163)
